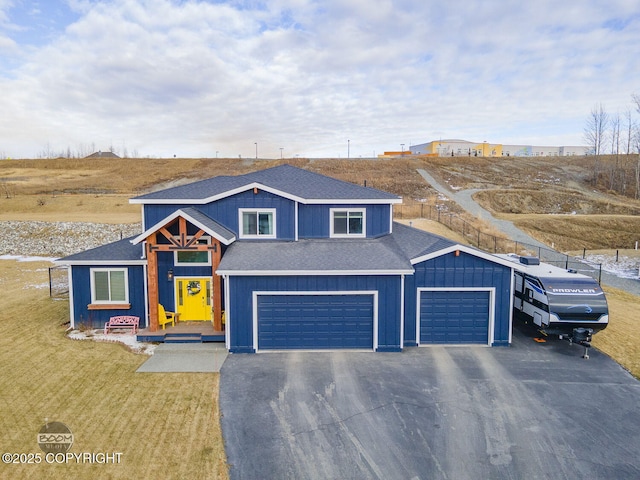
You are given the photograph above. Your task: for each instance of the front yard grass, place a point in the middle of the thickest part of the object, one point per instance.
(621, 339)
(164, 425)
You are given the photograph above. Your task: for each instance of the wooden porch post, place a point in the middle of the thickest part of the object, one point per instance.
(152, 283)
(217, 287)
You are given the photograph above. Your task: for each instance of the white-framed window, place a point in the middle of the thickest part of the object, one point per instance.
(194, 258)
(257, 223)
(348, 222)
(109, 285)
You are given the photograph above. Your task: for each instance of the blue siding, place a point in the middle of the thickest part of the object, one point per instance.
(313, 220)
(225, 211)
(240, 310)
(97, 318)
(463, 271)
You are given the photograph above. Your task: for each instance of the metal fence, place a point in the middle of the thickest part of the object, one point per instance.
(58, 282)
(491, 243)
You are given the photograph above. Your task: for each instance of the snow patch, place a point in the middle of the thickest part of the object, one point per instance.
(127, 339)
(24, 258)
(625, 267)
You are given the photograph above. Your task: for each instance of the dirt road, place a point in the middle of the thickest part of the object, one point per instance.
(464, 198)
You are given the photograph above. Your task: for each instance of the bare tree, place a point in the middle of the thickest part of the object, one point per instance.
(615, 123)
(595, 130)
(636, 140)
(629, 126)
(615, 170)
(594, 135)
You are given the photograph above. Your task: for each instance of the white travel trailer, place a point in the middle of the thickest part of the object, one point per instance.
(560, 302)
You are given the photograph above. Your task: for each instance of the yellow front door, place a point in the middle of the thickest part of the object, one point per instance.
(193, 299)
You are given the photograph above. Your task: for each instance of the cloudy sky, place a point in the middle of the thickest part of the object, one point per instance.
(314, 78)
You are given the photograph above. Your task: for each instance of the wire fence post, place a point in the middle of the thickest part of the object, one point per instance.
(520, 248)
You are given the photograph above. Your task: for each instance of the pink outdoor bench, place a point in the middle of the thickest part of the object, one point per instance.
(122, 322)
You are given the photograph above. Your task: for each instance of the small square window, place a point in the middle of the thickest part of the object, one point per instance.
(348, 223)
(109, 286)
(257, 223)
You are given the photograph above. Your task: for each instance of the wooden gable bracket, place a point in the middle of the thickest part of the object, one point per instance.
(182, 242)
(186, 245)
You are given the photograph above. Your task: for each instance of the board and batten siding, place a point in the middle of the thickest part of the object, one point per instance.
(225, 211)
(314, 220)
(240, 298)
(464, 271)
(84, 317)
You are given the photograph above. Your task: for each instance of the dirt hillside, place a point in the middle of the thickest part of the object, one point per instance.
(554, 199)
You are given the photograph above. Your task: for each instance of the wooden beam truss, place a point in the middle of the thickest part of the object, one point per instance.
(181, 242)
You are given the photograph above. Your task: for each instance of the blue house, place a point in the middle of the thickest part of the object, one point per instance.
(284, 258)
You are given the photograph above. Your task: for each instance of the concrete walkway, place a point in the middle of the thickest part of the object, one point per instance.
(186, 357)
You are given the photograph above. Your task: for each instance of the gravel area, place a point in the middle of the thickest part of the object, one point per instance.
(59, 239)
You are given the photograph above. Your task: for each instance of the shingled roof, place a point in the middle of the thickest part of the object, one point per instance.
(416, 243)
(120, 252)
(197, 218)
(383, 255)
(285, 180)
(317, 256)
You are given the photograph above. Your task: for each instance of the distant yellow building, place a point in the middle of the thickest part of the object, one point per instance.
(394, 154)
(457, 148)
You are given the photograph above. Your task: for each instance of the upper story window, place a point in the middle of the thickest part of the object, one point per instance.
(258, 223)
(348, 222)
(109, 285)
(194, 258)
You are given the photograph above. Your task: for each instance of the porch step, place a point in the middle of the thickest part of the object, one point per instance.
(183, 338)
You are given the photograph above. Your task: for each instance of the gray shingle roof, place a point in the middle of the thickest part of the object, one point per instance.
(121, 251)
(415, 243)
(319, 256)
(287, 179)
(195, 216)
(392, 252)
(211, 225)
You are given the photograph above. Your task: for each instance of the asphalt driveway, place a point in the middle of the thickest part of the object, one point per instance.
(533, 410)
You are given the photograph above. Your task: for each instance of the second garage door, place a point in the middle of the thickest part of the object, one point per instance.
(454, 317)
(315, 321)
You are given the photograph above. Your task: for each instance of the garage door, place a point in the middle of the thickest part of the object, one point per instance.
(454, 317)
(315, 321)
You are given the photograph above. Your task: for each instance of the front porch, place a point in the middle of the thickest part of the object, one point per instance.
(183, 332)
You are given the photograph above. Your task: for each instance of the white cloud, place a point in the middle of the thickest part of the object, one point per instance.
(192, 78)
